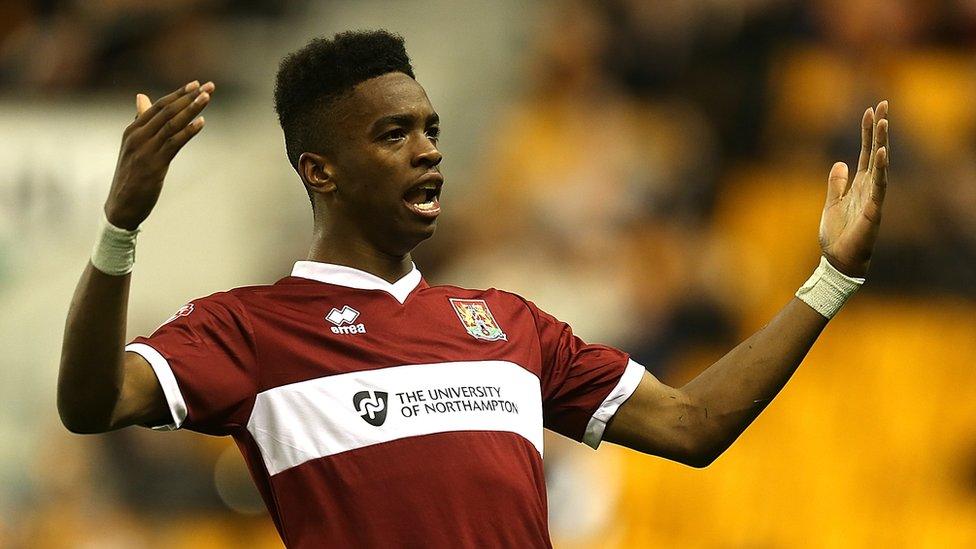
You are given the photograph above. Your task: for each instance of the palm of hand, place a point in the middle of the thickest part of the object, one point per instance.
(852, 215)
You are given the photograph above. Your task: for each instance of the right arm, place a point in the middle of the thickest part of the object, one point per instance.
(101, 387)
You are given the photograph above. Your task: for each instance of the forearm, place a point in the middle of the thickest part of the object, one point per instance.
(731, 393)
(91, 372)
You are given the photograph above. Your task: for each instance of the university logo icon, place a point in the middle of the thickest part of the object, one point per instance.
(477, 319)
(371, 406)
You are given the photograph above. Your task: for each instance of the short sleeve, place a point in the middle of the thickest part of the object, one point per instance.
(205, 360)
(583, 384)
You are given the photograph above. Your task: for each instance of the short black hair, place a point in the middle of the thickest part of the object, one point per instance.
(313, 77)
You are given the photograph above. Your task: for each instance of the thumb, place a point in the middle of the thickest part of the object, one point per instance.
(837, 181)
(142, 104)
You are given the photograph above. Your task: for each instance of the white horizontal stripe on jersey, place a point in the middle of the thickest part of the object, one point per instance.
(625, 387)
(317, 418)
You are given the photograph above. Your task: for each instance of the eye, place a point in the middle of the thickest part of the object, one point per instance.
(395, 135)
(434, 134)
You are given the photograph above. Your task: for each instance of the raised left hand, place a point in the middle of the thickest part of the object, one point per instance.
(852, 215)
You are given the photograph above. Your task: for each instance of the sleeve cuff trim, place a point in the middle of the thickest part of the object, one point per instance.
(174, 398)
(631, 377)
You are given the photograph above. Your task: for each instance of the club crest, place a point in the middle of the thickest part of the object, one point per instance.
(184, 311)
(477, 319)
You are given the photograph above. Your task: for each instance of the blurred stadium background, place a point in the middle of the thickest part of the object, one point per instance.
(650, 171)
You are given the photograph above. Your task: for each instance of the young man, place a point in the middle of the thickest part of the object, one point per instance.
(374, 410)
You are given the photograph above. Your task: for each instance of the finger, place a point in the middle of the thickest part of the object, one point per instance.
(868, 222)
(880, 140)
(882, 110)
(183, 117)
(874, 141)
(171, 110)
(879, 181)
(150, 113)
(175, 142)
(881, 136)
(880, 113)
(867, 127)
(884, 143)
(142, 103)
(837, 182)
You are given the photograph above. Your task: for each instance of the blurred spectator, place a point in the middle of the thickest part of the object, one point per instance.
(70, 45)
(714, 53)
(593, 184)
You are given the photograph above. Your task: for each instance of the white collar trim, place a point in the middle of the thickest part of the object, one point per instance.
(340, 275)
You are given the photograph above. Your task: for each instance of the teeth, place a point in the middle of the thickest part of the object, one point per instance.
(426, 205)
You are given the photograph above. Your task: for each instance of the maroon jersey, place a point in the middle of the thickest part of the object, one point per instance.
(373, 414)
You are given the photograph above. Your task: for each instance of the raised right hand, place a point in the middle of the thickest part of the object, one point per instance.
(149, 144)
(852, 215)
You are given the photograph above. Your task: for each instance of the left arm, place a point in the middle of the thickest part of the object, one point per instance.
(694, 424)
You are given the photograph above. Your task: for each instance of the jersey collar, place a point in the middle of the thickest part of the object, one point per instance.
(340, 275)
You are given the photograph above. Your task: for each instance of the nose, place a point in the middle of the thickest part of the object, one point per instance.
(428, 156)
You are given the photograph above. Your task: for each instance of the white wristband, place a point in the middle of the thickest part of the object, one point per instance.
(115, 249)
(828, 289)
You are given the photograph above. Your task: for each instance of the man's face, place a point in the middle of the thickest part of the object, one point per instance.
(385, 163)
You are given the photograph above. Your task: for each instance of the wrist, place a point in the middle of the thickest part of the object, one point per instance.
(114, 252)
(120, 220)
(828, 289)
(851, 270)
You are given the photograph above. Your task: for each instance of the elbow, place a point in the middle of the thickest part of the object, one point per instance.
(705, 439)
(79, 424)
(79, 418)
(696, 454)
(75, 425)
(701, 460)
(691, 450)
(701, 447)
(81, 428)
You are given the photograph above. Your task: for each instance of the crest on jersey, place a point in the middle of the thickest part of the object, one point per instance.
(371, 406)
(477, 319)
(184, 311)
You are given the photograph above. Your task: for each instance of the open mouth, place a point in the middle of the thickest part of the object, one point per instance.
(424, 199)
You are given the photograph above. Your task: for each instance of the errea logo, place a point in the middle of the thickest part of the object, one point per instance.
(344, 319)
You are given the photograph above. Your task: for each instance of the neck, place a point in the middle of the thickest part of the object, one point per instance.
(353, 251)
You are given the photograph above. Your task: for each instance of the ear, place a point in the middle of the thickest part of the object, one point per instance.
(317, 172)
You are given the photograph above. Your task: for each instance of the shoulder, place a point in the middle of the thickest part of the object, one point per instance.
(239, 300)
(499, 301)
(494, 294)
(241, 308)
(282, 289)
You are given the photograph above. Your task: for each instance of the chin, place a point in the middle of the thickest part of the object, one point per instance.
(410, 237)
(427, 232)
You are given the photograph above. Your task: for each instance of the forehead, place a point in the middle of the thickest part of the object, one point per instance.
(389, 94)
